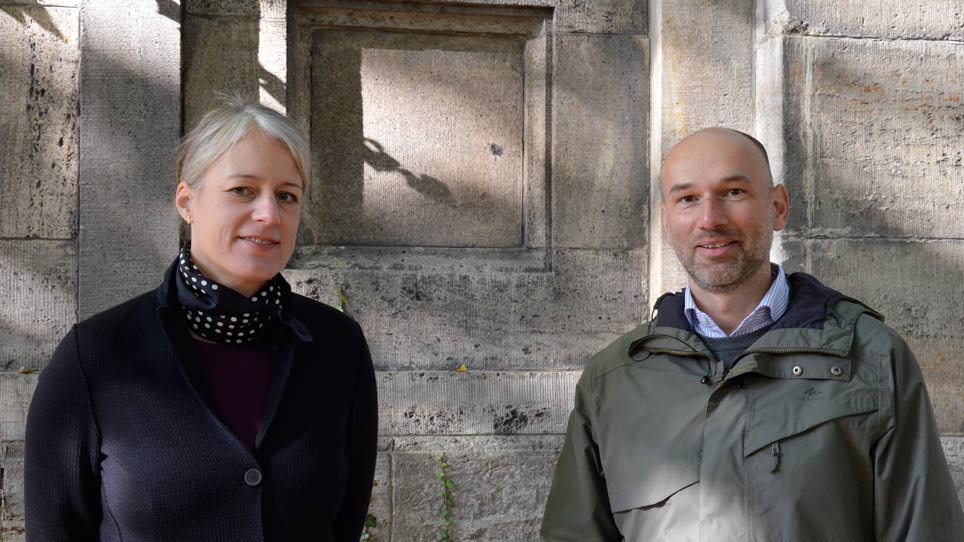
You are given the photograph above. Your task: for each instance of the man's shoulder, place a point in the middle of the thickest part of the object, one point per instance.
(619, 352)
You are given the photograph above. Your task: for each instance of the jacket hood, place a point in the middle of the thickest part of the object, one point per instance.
(818, 319)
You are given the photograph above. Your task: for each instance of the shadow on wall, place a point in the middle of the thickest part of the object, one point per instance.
(32, 9)
(858, 225)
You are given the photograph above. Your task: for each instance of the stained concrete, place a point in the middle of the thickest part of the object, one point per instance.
(499, 320)
(40, 279)
(39, 66)
(11, 517)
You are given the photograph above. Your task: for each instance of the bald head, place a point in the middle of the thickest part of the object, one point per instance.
(711, 151)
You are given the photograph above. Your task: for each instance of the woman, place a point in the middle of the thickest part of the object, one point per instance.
(220, 406)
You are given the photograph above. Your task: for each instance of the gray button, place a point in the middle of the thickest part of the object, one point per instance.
(252, 477)
(836, 371)
(797, 371)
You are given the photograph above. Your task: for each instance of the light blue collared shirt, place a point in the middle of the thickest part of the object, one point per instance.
(769, 310)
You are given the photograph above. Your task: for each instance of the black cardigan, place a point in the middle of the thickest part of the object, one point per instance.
(122, 445)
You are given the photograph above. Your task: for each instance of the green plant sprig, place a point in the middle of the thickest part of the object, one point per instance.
(447, 502)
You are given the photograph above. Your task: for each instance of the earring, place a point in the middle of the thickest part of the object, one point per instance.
(188, 220)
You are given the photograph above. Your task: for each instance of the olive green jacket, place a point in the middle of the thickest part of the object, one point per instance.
(822, 431)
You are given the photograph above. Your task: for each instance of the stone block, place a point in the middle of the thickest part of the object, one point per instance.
(11, 488)
(954, 451)
(39, 69)
(426, 319)
(131, 129)
(380, 506)
(917, 287)
(602, 16)
(499, 494)
(221, 58)
(40, 282)
(418, 139)
(601, 146)
(891, 19)
(871, 126)
(246, 9)
(475, 402)
(16, 390)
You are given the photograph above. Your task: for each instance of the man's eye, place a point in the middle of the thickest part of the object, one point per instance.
(735, 192)
(687, 199)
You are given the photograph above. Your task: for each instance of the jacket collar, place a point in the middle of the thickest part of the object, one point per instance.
(166, 295)
(818, 319)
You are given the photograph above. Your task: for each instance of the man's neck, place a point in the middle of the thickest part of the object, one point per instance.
(729, 308)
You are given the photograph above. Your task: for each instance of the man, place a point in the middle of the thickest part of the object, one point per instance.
(755, 406)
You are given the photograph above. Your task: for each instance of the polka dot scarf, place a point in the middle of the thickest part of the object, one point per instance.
(220, 314)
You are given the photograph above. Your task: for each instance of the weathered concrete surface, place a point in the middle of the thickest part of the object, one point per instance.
(446, 173)
(500, 486)
(11, 492)
(501, 320)
(131, 103)
(702, 76)
(954, 451)
(220, 59)
(917, 287)
(39, 64)
(867, 140)
(16, 390)
(601, 91)
(40, 279)
(602, 16)
(475, 402)
(894, 19)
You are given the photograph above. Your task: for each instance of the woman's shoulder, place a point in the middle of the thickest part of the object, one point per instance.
(136, 312)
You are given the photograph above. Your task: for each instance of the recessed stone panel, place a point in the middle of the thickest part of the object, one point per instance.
(917, 287)
(39, 279)
(493, 320)
(417, 138)
(874, 138)
(39, 67)
(601, 141)
(897, 19)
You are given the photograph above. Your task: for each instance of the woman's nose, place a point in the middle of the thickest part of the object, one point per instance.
(266, 210)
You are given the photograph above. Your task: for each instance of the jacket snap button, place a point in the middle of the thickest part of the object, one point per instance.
(252, 477)
(836, 371)
(797, 371)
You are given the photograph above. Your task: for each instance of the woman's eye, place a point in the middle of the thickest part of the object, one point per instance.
(240, 191)
(288, 197)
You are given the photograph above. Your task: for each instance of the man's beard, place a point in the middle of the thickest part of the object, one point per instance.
(726, 276)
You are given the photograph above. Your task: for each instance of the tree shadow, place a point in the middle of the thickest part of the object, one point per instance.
(33, 10)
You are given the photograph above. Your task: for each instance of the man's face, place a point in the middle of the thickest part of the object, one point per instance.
(719, 210)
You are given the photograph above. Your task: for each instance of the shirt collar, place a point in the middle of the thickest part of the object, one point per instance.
(768, 311)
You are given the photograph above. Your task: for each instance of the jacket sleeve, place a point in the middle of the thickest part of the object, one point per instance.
(61, 479)
(578, 506)
(915, 497)
(362, 444)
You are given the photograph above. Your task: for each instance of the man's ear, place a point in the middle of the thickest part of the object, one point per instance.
(183, 199)
(781, 207)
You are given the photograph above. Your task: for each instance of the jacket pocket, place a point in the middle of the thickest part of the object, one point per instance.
(653, 492)
(802, 405)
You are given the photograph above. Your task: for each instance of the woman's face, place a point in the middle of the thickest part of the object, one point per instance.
(244, 217)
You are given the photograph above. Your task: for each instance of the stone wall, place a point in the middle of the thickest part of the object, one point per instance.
(484, 192)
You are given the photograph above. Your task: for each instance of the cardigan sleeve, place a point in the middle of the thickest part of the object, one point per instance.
(362, 444)
(61, 478)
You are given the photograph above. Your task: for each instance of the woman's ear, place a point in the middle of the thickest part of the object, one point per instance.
(183, 199)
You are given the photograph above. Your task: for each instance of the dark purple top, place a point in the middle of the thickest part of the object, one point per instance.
(236, 379)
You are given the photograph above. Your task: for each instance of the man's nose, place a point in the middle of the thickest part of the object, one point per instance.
(266, 210)
(713, 214)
